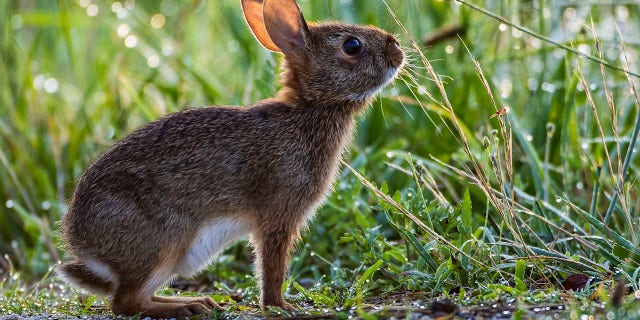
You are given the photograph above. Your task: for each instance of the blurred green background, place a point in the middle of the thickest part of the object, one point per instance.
(75, 76)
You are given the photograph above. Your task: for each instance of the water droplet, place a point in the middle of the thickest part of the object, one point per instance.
(51, 85)
(622, 13)
(131, 41)
(153, 61)
(167, 50)
(10, 203)
(529, 137)
(584, 48)
(84, 3)
(570, 13)
(38, 81)
(116, 7)
(157, 21)
(502, 27)
(122, 13)
(448, 49)
(46, 205)
(123, 30)
(548, 87)
(516, 33)
(93, 10)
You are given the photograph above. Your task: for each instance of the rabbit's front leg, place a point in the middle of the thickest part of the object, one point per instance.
(273, 244)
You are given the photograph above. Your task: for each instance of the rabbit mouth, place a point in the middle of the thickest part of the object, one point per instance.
(389, 75)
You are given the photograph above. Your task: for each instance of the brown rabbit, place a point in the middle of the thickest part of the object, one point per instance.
(166, 199)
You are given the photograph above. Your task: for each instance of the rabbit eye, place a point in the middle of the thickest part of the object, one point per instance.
(352, 47)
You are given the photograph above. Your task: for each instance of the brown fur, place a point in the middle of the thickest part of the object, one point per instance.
(138, 208)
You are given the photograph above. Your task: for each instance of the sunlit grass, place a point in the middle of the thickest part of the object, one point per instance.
(437, 196)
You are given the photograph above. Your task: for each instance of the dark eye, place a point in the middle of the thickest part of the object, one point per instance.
(352, 47)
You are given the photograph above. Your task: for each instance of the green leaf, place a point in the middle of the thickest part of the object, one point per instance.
(466, 225)
(520, 268)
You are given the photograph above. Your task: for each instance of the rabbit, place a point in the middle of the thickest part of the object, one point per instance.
(164, 200)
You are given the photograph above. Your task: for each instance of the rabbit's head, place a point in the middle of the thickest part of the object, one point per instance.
(325, 62)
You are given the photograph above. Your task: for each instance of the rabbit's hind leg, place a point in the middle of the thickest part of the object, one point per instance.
(135, 295)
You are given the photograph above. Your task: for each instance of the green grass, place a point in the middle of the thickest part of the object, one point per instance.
(437, 198)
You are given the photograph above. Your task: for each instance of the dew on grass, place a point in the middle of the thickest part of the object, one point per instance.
(84, 3)
(153, 61)
(93, 10)
(51, 85)
(529, 137)
(584, 48)
(548, 87)
(570, 13)
(449, 49)
(10, 204)
(116, 7)
(517, 33)
(158, 21)
(167, 50)
(45, 205)
(131, 41)
(622, 13)
(502, 27)
(123, 13)
(123, 30)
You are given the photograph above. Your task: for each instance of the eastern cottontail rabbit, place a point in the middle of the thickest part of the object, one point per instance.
(166, 199)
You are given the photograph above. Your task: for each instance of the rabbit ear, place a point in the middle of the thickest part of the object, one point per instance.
(285, 25)
(252, 10)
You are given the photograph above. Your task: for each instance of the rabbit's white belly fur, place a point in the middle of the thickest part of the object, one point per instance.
(209, 241)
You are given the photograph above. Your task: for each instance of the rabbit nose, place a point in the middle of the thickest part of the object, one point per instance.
(393, 42)
(394, 51)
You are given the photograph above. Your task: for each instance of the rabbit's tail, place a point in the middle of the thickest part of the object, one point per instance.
(89, 276)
